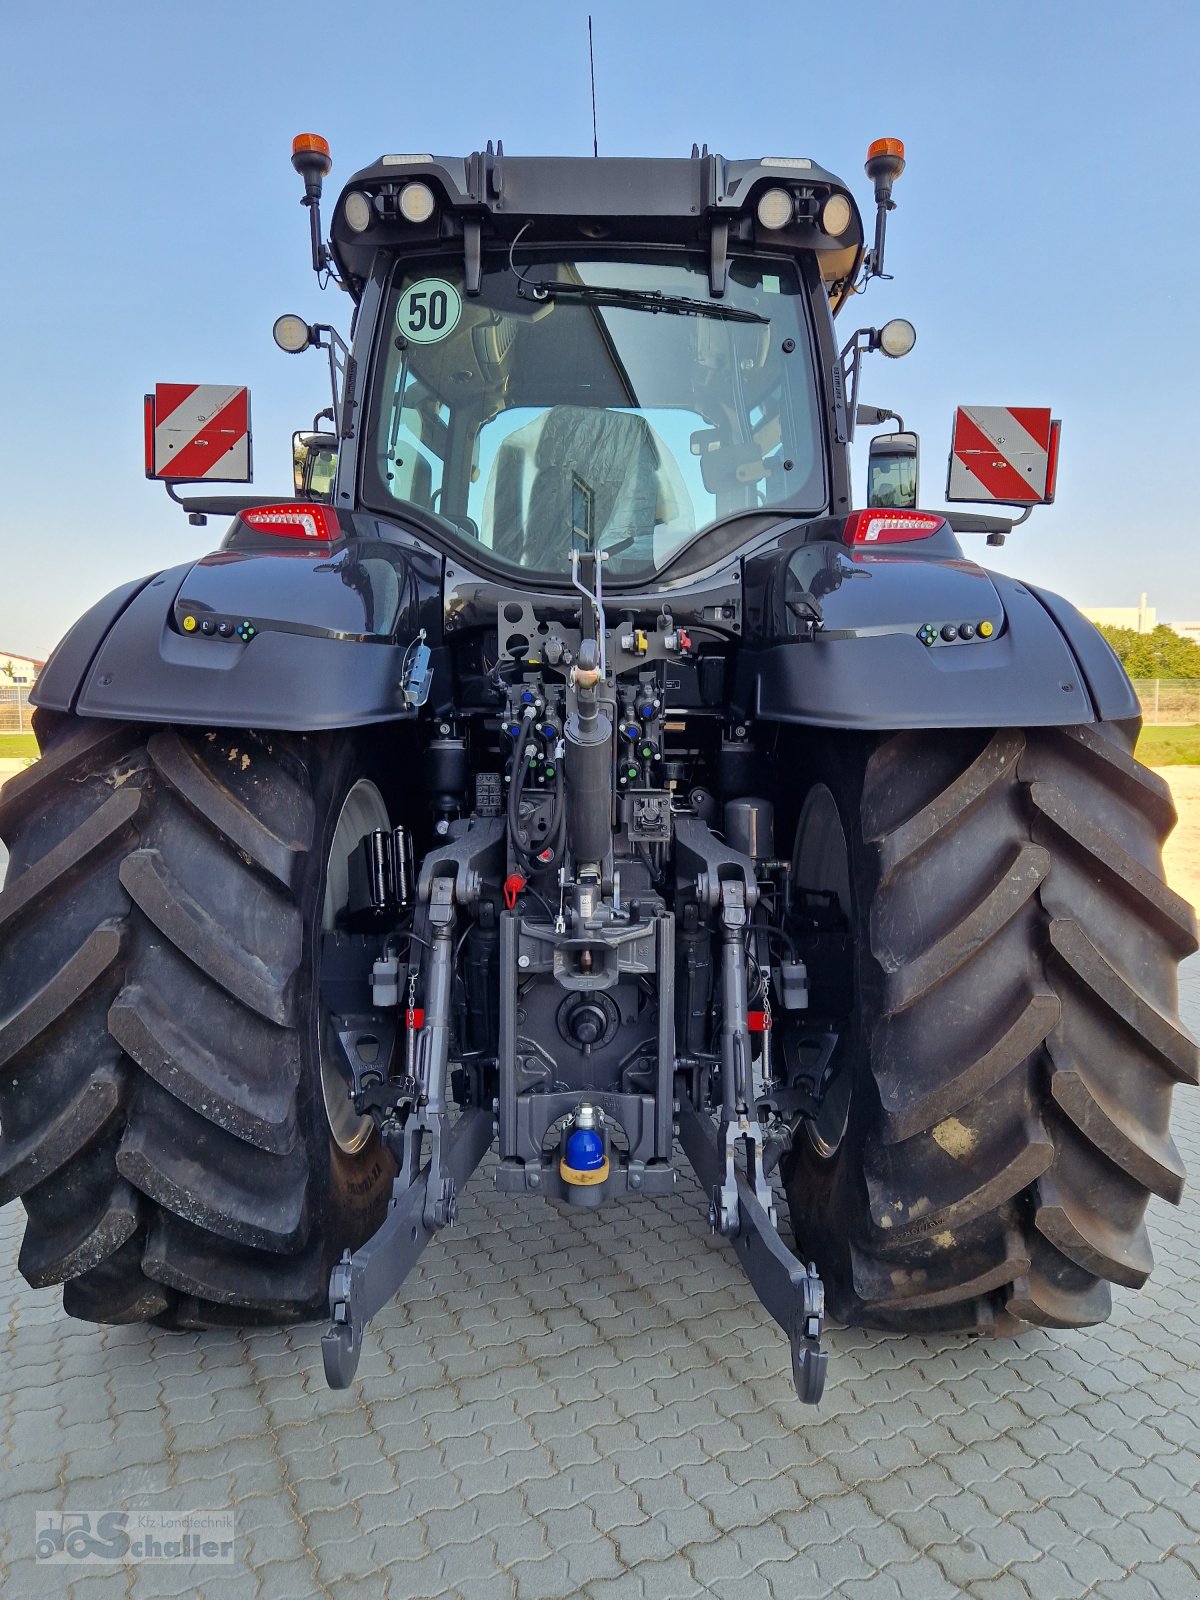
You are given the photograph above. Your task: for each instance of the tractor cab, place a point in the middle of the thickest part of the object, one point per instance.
(614, 356)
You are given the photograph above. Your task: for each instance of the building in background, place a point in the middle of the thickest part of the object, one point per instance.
(18, 671)
(1141, 618)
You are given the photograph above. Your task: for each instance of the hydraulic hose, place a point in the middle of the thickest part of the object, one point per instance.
(555, 838)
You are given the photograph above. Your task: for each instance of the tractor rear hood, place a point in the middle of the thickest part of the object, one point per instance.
(875, 639)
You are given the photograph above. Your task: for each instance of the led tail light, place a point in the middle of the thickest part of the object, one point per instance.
(315, 522)
(891, 527)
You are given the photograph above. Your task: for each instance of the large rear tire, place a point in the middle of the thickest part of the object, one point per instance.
(1005, 1083)
(162, 1115)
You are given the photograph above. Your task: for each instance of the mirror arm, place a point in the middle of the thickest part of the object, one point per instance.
(850, 361)
(998, 535)
(200, 507)
(996, 528)
(856, 346)
(872, 416)
(341, 369)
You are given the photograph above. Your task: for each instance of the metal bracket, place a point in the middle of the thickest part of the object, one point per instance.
(363, 1283)
(850, 366)
(792, 1292)
(425, 1192)
(718, 257)
(368, 1084)
(432, 1067)
(341, 374)
(475, 852)
(801, 1094)
(739, 1119)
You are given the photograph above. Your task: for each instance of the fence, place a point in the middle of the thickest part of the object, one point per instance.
(15, 709)
(1169, 699)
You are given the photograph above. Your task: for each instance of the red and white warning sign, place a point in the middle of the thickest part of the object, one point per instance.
(198, 431)
(1005, 453)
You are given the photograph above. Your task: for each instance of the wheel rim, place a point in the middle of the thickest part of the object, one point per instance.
(362, 812)
(821, 860)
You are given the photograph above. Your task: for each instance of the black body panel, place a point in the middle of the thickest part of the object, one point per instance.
(869, 668)
(331, 628)
(59, 680)
(1106, 679)
(369, 590)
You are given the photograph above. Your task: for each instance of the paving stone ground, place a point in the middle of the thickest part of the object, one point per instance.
(596, 1406)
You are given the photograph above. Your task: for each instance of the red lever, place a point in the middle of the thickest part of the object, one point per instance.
(758, 1021)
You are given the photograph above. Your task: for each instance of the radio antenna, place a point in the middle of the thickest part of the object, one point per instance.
(592, 65)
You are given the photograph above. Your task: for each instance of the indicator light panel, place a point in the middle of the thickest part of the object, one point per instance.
(211, 627)
(944, 633)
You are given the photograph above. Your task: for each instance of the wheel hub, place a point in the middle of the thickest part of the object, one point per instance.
(821, 861)
(362, 811)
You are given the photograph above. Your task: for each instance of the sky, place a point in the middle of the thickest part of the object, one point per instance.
(1044, 244)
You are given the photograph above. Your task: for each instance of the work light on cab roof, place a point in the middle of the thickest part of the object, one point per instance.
(488, 197)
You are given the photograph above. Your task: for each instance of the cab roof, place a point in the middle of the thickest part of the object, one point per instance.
(486, 198)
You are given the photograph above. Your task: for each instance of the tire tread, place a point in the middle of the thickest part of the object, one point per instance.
(150, 1013)
(1027, 1034)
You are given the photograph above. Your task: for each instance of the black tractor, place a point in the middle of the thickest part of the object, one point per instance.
(568, 767)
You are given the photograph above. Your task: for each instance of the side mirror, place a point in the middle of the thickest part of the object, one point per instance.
(314, 463)
(893, 471)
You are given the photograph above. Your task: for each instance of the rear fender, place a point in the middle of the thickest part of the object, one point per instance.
(869, 665)
(284, 637)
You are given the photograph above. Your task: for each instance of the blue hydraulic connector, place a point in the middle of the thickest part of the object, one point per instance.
(585, 1149)
(584, 1165)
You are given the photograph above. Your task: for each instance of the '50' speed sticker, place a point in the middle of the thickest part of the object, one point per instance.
(428, 311)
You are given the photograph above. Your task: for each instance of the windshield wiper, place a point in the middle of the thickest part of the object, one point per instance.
(653, 300)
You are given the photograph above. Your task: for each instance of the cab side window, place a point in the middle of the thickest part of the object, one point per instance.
(414, 455)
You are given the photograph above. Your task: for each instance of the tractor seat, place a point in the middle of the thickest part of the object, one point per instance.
(577, 477)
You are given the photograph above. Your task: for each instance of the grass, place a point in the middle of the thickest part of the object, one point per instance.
(1170, 746)
(18, 747)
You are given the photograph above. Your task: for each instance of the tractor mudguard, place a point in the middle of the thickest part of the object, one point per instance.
(890, 652)
(59, 680)
(277, 638)
(1106, 679)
